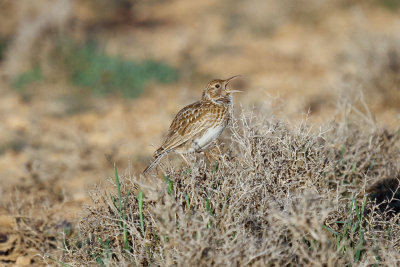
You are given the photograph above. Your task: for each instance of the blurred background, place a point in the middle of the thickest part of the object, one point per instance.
(89, 82)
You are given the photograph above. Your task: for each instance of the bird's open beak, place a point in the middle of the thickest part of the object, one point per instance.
(226, 83)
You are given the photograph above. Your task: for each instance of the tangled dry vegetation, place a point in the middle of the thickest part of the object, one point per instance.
(282, 196)
(30, 224)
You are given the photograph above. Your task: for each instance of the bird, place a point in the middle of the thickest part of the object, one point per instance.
(197, 126)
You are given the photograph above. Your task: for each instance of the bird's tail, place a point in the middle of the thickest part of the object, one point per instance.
(156, 160)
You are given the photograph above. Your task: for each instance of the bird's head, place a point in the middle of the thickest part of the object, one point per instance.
(217, 89)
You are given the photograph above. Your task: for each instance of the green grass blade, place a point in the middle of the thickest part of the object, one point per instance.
(141, 217)
(187, 171)
(121, 209)
(330, 230)
(187, 201)
(208, 207)
(359, 246)
(100, 262)
(114, 201)
(170, 185)
(342, 151)
(118, 186)
(363, 207)
(387, 233)
(125, 235)
(216, 167)
(356, 209)
(354, 228)
(107, 247)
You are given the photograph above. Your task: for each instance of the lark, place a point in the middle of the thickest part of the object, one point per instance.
(197, 126)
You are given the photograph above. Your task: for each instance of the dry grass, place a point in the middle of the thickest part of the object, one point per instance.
(30, 225)
(281, 196)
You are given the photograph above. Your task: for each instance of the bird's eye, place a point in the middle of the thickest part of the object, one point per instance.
(217, 86)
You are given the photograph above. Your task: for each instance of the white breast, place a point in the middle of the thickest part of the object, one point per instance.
(207, 138)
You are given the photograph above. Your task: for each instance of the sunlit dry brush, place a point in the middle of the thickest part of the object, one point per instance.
(30, 224)
(281, 195)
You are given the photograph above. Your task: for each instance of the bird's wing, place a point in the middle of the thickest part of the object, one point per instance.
(190, 121)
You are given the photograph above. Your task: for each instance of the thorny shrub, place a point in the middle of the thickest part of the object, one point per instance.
(280, 196)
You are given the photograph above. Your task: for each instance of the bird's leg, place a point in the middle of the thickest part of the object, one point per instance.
(213, 158)
(208, 156)
(188, 170)
(187, 162)
(213, 154)
(216, 147)
(161, 167)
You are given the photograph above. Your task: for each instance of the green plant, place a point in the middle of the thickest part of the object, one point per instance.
(140, 198)
(208, 207)
(170, 184)
(106, 252)
(26, 78)
(88, 66)
(121, 209)
(389, 4)
(351, 236)
(187, 201)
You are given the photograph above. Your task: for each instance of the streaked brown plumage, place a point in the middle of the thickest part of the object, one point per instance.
(198, 125)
